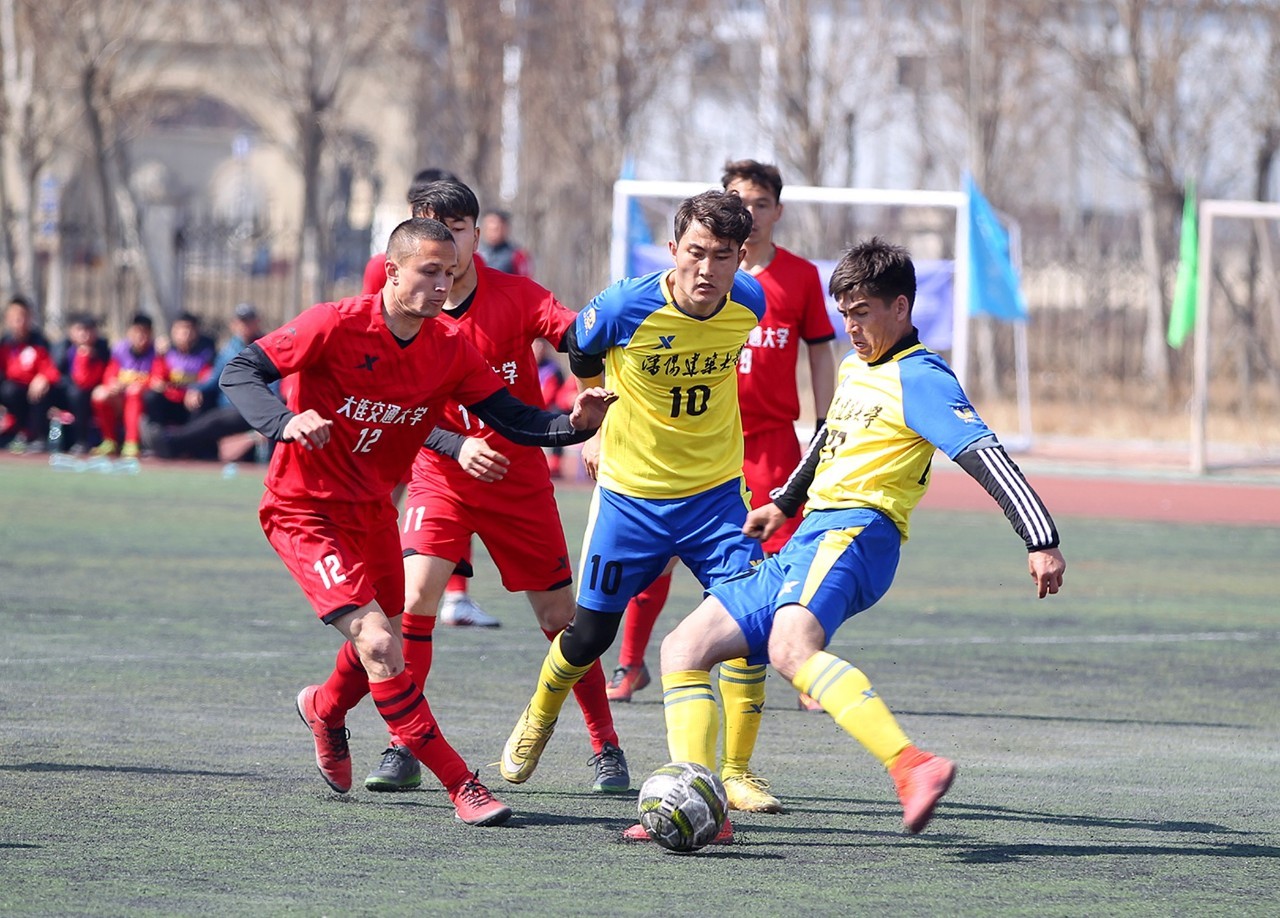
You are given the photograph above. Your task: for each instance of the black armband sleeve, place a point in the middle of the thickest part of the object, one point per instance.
(246, 381)
(445, 442)
(581, 364)
(990, 466)
(526, 425)
(791, 494)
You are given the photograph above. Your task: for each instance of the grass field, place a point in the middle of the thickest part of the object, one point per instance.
(1119, 745)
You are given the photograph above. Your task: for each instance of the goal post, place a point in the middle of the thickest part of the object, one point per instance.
(1210, 212)
(625, 191)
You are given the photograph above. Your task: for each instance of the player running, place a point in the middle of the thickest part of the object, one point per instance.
(670, 461)
(473, 480)
(895, 404)
(374, 374)
(795, 312)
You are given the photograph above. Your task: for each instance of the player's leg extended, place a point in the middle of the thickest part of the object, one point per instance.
(617, 557)
(554, 610)
(842, 571)
(408, 715)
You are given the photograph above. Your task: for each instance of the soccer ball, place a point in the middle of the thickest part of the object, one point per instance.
(682, 806)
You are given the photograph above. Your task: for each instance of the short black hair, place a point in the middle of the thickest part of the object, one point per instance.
(426, 177)
(187, 317)
(142, 320)
(879, 268)
(766, 175)
(82, 318)
(722, 213)
(409, 234)
(19, 300)
(445, 200)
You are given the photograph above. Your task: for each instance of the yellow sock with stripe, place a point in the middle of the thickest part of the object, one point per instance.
(555, 681)
(742, 691)
(846, 694)
(692, 717)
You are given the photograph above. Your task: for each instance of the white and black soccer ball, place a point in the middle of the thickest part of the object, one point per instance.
(682, 806)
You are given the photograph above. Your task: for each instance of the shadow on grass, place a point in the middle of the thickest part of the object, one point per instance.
(1055, 718)
(978, 813)
(1008, 854)
(45, 767)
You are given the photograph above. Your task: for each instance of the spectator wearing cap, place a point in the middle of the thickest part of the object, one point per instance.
(216, 419)
(245, 328)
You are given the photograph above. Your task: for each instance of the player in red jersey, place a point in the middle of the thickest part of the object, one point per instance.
(457, 608)
(477, 482)
(767, 396)
(374, 374)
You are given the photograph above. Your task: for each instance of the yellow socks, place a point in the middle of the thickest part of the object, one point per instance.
(555, 681)
(742, 692)
(692, 717)
(846, 694)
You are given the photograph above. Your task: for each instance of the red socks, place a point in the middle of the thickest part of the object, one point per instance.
(405, 709)
(418, 645)
(344, 688)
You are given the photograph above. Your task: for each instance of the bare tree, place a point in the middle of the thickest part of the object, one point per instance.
(1143, 60)
(460, 86)
(312, 49)
(591, 67)
(96, 50)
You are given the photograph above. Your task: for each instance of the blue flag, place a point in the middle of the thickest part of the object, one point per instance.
(993, 285)
(638, 235)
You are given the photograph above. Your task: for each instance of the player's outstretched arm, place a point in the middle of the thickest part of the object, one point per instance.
(590, 406)
(246, 381)
(1047, 568)
(991, 466)
(530, 426)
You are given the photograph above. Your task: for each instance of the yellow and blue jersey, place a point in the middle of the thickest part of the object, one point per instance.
(885, 421)
(675, 430)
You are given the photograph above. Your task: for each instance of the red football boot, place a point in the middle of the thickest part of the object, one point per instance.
(333, 758)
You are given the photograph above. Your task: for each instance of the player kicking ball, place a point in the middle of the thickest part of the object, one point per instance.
(896, 402)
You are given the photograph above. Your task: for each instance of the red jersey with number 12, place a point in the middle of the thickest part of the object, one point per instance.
(383, 396)
(795, 311)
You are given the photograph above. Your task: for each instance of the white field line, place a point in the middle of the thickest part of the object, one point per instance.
(973, 640)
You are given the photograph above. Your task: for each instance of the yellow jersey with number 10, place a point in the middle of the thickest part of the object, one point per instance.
(675, 429)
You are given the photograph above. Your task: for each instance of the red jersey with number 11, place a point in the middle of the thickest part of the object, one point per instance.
(383, 396)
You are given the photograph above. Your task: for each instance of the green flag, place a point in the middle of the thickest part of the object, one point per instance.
(1182, 315)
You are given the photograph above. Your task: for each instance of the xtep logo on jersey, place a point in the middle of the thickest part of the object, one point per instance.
(665, 341)
(369, 360)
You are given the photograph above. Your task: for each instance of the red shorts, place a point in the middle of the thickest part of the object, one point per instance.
(516, 519)
(343, 555)
(769, 457)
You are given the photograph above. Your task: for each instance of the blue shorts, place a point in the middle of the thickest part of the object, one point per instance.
(629, 541)
(838, 563)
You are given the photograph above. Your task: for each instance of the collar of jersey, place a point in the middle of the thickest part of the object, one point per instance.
(906, 343)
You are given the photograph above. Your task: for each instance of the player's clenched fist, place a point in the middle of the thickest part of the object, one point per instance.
(309, 429)
(590, 406)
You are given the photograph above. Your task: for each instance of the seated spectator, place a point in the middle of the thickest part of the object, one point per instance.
(118, 402)
(27, 377)
(82, 360)
(218, 419)
(173, 395)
